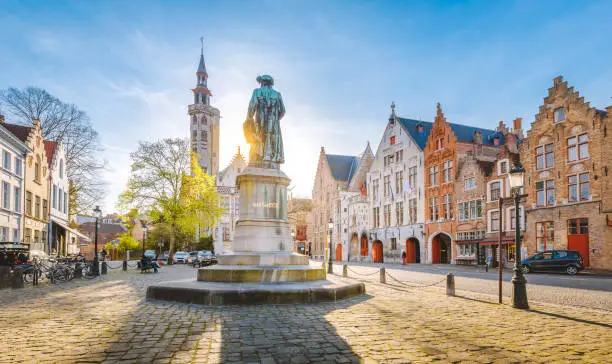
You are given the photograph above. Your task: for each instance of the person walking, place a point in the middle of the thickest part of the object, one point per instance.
(403, 258)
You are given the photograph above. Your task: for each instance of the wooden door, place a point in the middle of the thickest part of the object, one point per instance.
(377, 252)
(411, 251)
(578, 237)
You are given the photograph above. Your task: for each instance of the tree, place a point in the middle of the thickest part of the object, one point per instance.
(127, 242)
(65, 122)
(206, 243)
(160, 184)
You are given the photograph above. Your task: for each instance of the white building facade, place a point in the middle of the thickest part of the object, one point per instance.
(11, 185)
(395, 193)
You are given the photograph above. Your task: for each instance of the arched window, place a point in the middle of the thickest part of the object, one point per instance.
(61, 171)
(194, 119)
(37, 168)
(204, 121)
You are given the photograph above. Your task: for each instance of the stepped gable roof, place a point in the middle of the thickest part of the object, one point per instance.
(50, 147)
(412, 127)
(20, 131)
(464, 133)
(343, 167)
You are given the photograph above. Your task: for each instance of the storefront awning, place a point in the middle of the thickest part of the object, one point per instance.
(73, 231)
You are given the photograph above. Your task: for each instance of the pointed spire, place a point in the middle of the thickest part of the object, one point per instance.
(201, 92)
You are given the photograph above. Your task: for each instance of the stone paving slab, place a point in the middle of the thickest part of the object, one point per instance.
(108, 320)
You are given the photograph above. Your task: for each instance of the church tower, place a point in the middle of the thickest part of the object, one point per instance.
(204, 122)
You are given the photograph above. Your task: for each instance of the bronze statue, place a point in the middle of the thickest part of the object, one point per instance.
(262, 126)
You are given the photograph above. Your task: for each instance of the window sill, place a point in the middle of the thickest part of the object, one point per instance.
(571, 163)
(545, 169)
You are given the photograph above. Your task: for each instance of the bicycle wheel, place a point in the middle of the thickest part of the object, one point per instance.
(87, 272)
(29, 274)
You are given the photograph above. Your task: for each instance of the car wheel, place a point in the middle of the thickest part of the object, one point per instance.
(571, 270)
(526, 269)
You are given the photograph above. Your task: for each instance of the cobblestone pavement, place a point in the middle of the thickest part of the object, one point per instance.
(108, 320)
(580, 290)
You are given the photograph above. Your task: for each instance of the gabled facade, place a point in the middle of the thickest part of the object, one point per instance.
(351, 218)
(62, 239)
(36, 177)
(396, 194)
(448, 147)
(566, 156)
(13, 152)
(334, 173)
(230, 201)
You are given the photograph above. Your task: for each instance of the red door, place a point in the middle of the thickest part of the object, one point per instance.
(377, 252)
(435, 250)
(338, 252)
(410, 251)
(578, 237)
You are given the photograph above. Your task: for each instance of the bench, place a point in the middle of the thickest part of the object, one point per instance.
(145, 268)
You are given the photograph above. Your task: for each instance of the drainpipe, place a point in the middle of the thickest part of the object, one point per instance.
(23, 212)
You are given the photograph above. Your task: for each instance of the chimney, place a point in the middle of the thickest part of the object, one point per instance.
(478, 137)
(517, 124)
(1, 119)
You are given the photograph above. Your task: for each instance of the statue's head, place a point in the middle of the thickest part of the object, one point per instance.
(265, 80)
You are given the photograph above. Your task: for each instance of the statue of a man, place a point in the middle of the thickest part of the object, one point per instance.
(262, 126)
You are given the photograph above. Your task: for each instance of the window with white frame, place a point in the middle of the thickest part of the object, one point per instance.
(433, 208)
(18, 166)
(494, 221)
(376, 215)
(399, 182)
(6, 196)
(387, 185)
(399, 213)
(503, 167)
(470, 183)
(545, 193)
(61, 169)
(448, 206)
(439, 143)
(495, 191)
(17, 199)
(433, 175)
(448, 171)
(412, 210)
(6, 160)
(399, 155)
(387, 215)
(470, 210)
(54, 197)
(412, 174)
(375, 191)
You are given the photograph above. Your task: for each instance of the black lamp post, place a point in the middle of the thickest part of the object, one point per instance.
(96, 261)
(330, 268)
(519, 288)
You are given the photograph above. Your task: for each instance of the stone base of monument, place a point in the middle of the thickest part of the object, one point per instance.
(217, 294)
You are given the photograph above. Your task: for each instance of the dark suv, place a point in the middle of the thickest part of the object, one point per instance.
(568, 261)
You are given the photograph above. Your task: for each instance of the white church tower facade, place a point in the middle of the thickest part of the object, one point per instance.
(204, 122)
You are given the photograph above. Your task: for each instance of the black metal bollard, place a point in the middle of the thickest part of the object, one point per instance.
(345, 270)
(16, 278)
(450, 284)
(104, 268)
(383, 277)
(124, 265)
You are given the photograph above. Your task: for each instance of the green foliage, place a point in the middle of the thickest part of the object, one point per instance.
(206, 243)
(177, 201)
(127, 242)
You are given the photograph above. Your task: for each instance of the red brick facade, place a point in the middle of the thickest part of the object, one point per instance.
(566, 156)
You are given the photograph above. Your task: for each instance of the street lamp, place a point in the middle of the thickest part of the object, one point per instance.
(519, 289)
(144, 231)
(330, 269)
(96, 261)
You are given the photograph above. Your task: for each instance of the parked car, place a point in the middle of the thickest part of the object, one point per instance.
(192, 257)
(180, 257)
(150, 254)
(202, 259)
(568, 261)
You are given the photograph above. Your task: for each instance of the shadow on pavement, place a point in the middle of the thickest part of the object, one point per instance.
(555, 315)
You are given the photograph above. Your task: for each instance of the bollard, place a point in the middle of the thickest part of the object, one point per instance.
(124, 265)
(345, 270)
(104, 268)
(450, 284)
(383, 277)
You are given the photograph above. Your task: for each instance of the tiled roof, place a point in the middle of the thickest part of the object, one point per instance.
(412, 127)
(50, 150)
(342, 166)
(463, 133)
(20, 131)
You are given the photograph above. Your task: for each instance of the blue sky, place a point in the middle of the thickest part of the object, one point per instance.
(130, 65)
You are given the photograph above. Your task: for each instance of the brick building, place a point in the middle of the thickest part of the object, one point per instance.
(106, 233)
(566, 157)
(299, 214)
(446, 150)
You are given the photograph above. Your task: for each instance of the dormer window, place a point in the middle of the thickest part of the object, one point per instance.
(420, 128)
(392, 140)
(496, 141)
(559, 115)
